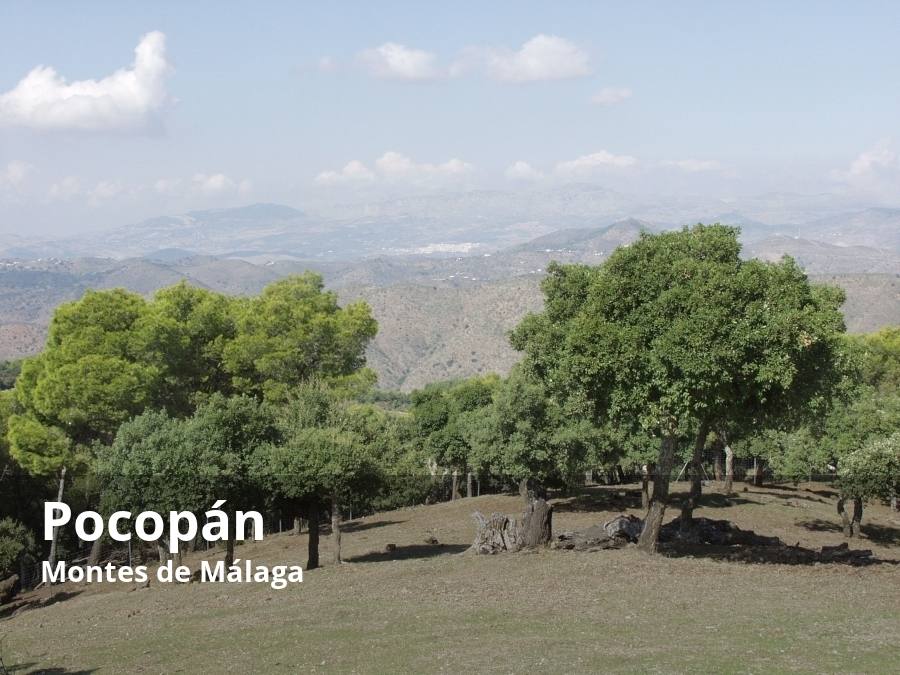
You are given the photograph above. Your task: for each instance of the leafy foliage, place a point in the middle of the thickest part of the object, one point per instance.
(873, 470)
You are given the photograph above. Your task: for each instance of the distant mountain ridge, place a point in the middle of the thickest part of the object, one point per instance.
(439, 317)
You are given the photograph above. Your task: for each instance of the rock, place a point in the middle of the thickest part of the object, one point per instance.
(624, 525)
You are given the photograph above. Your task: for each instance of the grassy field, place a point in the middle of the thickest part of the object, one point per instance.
(436, 608)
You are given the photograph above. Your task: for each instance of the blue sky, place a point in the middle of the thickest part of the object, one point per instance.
(308, 103)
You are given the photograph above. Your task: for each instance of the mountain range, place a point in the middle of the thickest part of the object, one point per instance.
(441, 314)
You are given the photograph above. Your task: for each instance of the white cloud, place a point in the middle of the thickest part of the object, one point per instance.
(398, 62)
(14, 174)
(129, 99)
(611, 96)
(588, 163)
(692, 165)
(327, 64)
(218, 184)
(875, 172)
(394, 166)
(881, 157)
(167, 186)
(66, 189)
(543, 57)
(522, 171)
(353, 171)
(104, 191)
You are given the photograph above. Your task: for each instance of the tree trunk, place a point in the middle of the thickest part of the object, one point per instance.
(758, 467)
(162, 553)
(717, 467)
(653, 521)
(312, 557)
(893, 502)
(59, 496)
(178, 556)
(857, 516)
(298, 525)
(454, 486)
(468, 484)
(537, 524)
(845, 518)
(620, 473)
(336, 528)
(646, 477)
(96, 551)
(729, 469)
(693, 499)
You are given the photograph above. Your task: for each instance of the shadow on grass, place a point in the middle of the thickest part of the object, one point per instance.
(361, 527)
(37, 669)
(722, 540)
(408, 552)
(714, 500)
(881, 534)
(791, 496)
(33, 600)
(611, 498)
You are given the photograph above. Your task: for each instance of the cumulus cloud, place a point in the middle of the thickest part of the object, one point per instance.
(522, 171)
(104, 191)
(611, 96)
(393, 166)
(353, 171)
(872, 161)
(218, 184)
(692, 165)
(543, 57)
(128, 99)
(66, 188)
(394, 61)
(396, 165)
(587, 163)
(13, 175)
(875, 171)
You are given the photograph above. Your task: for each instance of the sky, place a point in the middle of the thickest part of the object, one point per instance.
(113, 112)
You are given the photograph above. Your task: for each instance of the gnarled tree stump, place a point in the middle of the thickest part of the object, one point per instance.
(537, 525)
(496, 534)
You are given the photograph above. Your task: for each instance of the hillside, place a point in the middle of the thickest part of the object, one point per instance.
(439, 317)
(432, 607)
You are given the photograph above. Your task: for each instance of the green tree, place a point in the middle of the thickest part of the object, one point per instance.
(676, 334)
(870, 471)
(293, 332)
(318, 458)
(526, 436)
(443, 413)
(161, 463)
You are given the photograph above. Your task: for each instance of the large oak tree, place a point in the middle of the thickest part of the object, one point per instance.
(675, 334)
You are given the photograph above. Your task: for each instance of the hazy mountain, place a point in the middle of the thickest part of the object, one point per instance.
(817, 257)
(875, 227)
(438, 317)
(457, 223)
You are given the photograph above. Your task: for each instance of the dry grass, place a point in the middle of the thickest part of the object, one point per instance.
(427, 608)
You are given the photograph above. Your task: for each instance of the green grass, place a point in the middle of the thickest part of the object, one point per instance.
(553, 611)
